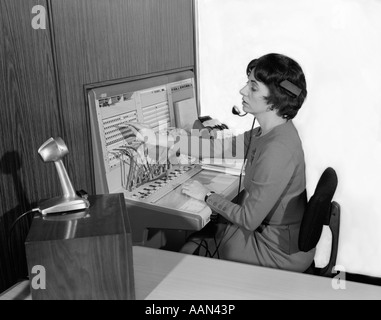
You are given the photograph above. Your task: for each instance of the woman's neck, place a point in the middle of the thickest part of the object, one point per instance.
(270, 122)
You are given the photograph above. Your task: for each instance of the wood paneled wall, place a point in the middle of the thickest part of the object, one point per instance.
(29, 116)
(99, 40)
(43, 74)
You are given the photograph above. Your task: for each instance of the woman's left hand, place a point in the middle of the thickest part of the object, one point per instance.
(195, 189)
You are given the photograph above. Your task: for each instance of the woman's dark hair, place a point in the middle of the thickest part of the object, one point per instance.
(288, 96)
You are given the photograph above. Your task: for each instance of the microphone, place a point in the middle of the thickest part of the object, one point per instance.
(237, 112)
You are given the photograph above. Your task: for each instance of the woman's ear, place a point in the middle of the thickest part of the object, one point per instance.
(270, 108)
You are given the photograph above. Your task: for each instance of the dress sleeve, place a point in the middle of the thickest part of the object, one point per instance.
(273, 171)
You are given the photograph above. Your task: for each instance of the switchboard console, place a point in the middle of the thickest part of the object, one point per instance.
(152, 192)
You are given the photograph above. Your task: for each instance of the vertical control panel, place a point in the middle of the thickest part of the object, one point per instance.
(151, 101)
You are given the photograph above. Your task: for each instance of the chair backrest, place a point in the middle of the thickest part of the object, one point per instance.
(320, 211)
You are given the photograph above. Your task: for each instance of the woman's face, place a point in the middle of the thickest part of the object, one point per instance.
(253, 96)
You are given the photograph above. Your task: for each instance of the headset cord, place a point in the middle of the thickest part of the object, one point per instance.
(12, 227)
(238, 192)
(244, 162)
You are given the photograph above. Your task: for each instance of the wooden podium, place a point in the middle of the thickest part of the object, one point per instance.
(83, 255)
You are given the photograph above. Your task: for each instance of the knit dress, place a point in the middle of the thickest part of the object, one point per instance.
(263, 228)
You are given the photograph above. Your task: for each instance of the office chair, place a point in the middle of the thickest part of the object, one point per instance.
(321, 225)
(322, 214)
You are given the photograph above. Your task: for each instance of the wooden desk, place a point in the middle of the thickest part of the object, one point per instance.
(164, 275)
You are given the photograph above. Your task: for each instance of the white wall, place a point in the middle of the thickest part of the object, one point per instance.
(338, 45)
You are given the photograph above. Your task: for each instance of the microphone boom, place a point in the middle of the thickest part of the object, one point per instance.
(237, 112)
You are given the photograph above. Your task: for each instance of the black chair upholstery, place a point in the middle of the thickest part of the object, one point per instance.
(334, 226)
(320, 211)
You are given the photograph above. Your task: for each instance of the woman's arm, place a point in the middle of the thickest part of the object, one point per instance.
(274, 170)
(199, 146)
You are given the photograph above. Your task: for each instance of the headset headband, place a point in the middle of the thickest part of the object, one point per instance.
(289, 86)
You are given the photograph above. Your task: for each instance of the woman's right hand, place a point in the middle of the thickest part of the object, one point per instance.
(142, 131)
(147, 135)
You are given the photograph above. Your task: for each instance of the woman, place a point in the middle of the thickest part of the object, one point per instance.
(263, 229)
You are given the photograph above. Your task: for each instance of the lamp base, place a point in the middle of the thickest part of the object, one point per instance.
(63, 204)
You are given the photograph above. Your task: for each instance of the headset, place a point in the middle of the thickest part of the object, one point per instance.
(237, 112)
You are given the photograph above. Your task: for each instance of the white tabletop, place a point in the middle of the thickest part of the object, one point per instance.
(165, 275)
